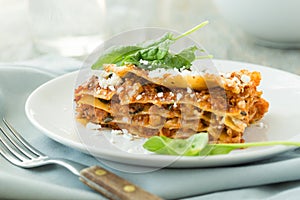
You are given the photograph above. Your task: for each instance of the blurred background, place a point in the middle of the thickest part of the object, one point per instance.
(73, 28)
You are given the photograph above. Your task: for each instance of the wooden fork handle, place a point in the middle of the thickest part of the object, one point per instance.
(113, 186)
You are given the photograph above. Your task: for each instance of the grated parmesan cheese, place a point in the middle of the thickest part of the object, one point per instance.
(93, 126)
(178, 96)
(138, 97)
(116, 132)
(160, 94)
(189, 90)
(241, 104)
(108, 80)
(111, 87)
(245, 78)
(144, 62)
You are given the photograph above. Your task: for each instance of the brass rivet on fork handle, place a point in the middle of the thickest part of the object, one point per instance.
(100, 172)
(129, 188)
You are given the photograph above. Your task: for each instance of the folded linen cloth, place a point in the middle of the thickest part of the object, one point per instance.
(54, 182)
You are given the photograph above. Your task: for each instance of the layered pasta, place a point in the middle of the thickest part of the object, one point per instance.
(171, 103)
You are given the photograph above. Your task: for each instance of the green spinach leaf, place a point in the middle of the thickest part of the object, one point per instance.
(187, 147)
(115, 55)
(197, 145)
(156, 53)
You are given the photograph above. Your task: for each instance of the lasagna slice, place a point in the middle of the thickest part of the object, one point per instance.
(171, 103)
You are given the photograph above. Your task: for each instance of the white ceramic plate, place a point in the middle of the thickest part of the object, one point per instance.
(50, 109)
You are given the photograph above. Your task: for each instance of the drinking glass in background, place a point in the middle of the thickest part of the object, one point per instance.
(76, 27)
(67, 27)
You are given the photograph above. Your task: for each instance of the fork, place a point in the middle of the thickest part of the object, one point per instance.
(19, 152)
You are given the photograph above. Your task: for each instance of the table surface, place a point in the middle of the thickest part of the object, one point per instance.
(221, 39)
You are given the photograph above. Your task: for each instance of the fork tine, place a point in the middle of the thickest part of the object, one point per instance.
(19, 145)
(9, 146)
(8, 155)
(22, 140)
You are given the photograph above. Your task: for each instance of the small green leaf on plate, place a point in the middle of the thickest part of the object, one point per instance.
(197, 145)
(188, 147)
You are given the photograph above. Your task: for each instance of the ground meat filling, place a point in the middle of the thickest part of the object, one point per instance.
(145, 108)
